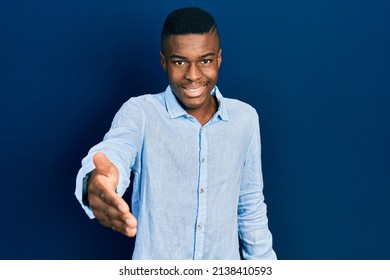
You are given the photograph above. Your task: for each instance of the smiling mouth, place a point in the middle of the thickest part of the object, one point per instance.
(194, 92)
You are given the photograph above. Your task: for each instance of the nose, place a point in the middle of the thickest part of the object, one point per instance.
(193, 72)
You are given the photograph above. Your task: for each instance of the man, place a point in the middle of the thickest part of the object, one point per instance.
(195, 156)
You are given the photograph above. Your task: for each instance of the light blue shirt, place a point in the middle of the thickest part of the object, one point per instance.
(197, 190)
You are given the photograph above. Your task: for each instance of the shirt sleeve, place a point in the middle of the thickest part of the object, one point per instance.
(121, 145)
(255, 237)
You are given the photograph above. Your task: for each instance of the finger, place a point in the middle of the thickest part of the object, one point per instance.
(114, 200)
(127, 226)
(125, 230)
(103, 164)
(121, 213)
(130, 232)
(98, 206)
(130, 220)
(102, 188)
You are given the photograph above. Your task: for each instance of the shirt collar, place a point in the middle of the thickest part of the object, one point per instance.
(175, 110)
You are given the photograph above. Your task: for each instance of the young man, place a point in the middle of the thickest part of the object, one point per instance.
(195, 155)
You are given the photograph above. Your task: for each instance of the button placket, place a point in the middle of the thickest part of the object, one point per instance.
(202, 195)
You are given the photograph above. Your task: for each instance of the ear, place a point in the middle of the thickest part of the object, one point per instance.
(219, 58)
(163, 61)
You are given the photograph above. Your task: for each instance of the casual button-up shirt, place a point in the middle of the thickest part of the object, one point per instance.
(197, 190)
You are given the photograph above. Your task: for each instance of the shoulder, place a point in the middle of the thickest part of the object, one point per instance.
(143, 103)
(145, 100)
(136, 108)
(239, 109)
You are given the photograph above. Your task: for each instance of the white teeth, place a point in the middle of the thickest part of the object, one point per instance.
(194, 89)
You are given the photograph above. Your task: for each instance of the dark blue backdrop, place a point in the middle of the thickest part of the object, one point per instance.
(317, 72)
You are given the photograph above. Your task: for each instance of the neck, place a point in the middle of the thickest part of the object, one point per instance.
(205, 113)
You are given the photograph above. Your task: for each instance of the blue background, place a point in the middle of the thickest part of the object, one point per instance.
(317, 72)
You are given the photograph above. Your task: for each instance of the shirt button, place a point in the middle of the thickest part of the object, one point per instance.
(199, 226)
(203, 160)
(202, 190)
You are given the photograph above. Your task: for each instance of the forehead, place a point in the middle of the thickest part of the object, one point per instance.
(191, 44)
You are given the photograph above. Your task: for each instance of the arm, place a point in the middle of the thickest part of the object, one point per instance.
(255, 237)
(109, 164)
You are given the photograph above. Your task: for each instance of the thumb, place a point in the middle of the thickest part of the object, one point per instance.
(103, 164)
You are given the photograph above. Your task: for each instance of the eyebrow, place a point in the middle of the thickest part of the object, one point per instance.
(183, 57)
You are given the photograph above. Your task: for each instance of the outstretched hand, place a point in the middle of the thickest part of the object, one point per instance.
(110, 209)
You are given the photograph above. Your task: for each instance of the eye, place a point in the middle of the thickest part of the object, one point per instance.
(179, 62)
(206, 61)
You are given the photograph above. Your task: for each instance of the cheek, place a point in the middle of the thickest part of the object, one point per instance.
(211, 73)
(174, 74)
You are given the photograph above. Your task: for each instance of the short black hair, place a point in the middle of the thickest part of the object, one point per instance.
(189, 20)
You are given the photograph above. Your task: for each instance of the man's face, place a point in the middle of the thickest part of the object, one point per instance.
(192, 63)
